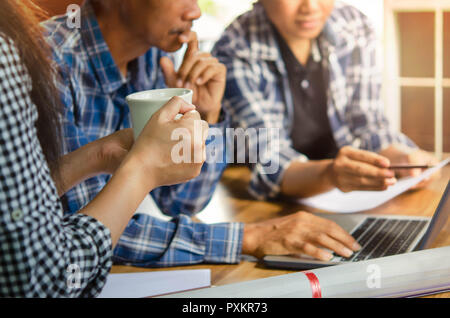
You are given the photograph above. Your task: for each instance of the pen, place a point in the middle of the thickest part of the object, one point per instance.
(410, 167)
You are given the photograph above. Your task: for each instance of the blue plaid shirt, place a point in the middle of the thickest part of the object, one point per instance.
(258, 93)
(93, 92)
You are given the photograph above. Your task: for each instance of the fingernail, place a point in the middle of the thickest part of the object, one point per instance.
(179, 83)
(385, 162)
(391, 181)
(199, 81)
(187, 85)
(326, 256)
(183, 38)
(389, 174)
(356, 246)
(346, 252)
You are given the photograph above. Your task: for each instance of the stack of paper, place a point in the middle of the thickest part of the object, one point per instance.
(137, 285)
(411, 274)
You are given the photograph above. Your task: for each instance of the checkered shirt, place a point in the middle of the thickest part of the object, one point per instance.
(42, 253)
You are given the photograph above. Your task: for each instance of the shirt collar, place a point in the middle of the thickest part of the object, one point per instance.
(97, 49)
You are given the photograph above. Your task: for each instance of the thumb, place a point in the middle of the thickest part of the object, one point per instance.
(415, 172)
(168, 70)
(176, 105)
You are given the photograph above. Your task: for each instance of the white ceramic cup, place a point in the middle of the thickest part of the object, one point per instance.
(144, 104)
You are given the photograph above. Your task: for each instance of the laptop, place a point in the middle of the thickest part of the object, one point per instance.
(379, 236)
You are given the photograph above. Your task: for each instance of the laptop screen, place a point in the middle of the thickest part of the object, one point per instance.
(438, 221)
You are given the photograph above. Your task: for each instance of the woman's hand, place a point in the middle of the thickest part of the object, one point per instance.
(172, 151)
(300, 233)
(151, 162)
(153, 150)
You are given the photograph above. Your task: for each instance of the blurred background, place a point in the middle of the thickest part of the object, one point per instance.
(414, 47)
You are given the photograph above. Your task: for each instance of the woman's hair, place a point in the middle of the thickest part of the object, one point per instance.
(19, 22)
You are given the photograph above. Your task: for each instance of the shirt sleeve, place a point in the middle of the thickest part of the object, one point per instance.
(42, 253)
(150, 242)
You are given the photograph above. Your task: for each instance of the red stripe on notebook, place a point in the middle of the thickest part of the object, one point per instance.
(315, 285)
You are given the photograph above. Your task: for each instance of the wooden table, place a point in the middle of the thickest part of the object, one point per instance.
(236, 205)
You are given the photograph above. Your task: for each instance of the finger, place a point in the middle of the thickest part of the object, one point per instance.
(176, 105)
(199, 68)
(359, 168)
(367, 157)
(212, 72)
(192, 44)
(336, 232)
(197, 150)
(191, 120)
(368, 184)
(409, 172)
(168, 70)
(331, 244)
(313, 251)
(188, 64)
(191, 115)
(191, 51)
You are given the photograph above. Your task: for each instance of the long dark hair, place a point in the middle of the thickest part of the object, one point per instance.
(19, 22)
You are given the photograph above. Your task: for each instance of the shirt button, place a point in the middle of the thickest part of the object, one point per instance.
(17, 215)
(304, 84)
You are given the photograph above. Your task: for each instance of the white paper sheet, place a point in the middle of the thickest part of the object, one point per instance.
(356, 201)
(146, 284)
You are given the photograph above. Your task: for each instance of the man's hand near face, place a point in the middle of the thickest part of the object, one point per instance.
(203, 74)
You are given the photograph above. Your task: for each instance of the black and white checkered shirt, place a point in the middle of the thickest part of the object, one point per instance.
(42, 253)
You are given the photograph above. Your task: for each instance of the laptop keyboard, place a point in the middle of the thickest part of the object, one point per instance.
(384, 237)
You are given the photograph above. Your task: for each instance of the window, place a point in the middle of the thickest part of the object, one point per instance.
(417, 68)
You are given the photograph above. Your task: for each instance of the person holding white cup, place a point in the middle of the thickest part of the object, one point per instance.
(121, 49)
(144, 104)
